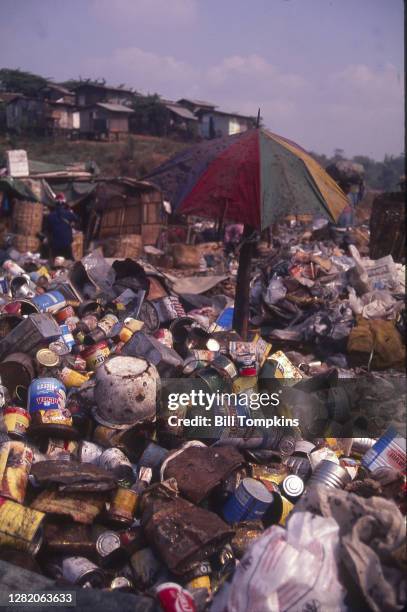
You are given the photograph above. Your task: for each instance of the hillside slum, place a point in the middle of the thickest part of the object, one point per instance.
(116, 491)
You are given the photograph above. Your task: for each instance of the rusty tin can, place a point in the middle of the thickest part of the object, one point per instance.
(88, 452)
(62, 315)
(16, 420)
(79, 570)
(96, 355)
(15, 465)
(20, 527)
(123, 506)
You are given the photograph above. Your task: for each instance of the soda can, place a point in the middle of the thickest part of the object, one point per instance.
(123, 506)
(46, 394)
(20, 527)
(67, 336)
(115, 460)
(15, 465)
(88, 452)
(50, 302)
(16, 420)
(96, 355)
(249, 502)
(79, 570)
(173, 598)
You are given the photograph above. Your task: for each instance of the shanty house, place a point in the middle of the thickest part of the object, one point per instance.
(25, 114)
(126, 207)
(89, 94)
(181, 120)
(214, 122)
(104, 120)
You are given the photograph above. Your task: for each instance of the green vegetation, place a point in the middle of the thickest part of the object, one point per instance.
(19, 81)
(135, 156)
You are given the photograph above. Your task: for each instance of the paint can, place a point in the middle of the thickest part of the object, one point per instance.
(20, 527)
(15, 465)
(123, 506)
(249, 502)
(16, 420)
(50, 302)
(96, 355)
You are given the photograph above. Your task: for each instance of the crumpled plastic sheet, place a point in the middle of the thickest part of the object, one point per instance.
(372, 533)
(291, 569)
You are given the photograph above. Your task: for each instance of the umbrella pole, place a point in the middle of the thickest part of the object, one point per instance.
(242, 297)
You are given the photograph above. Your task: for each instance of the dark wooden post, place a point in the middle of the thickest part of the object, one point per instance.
(242, 297)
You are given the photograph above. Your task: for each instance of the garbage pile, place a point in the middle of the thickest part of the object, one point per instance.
(113, 478)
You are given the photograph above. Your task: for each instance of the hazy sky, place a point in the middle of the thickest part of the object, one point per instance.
(326, 73)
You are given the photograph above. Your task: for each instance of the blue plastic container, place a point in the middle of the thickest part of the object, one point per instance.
(249, 502)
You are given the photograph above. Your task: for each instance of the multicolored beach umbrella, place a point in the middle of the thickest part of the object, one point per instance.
(253, 177)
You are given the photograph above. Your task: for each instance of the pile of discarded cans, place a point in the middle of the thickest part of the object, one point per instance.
(106, 485)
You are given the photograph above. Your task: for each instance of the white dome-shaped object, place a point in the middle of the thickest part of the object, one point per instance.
(125, 392)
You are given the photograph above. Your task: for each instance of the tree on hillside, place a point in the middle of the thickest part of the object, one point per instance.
(20, 81)
(150, 115)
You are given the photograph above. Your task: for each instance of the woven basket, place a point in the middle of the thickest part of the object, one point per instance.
(127, 245)
(77, 246)
(27, 217)
(25, 243)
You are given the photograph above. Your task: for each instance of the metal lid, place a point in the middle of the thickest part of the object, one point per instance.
(213, 345)
(59, 347)
(257, 490)
(293, 486)
(121, 582)
(107, 542)
(47, 357)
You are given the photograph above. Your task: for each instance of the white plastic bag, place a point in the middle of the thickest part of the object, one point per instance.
(291, 569)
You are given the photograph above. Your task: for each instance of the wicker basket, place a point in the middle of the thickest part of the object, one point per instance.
(127, 245)
(77, 246)
(27, 217)
(25, 243)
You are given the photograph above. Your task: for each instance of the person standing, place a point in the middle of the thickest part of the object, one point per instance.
(59, 228)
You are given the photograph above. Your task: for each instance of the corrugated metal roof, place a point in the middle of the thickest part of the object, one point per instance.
(198, 102)
(115, 108)
(181, 111)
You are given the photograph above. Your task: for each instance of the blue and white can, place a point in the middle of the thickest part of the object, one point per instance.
(67, 336)
(249, 502)
(46, 394)
(51, 302)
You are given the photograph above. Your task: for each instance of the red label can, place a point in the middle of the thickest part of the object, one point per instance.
(173, 598)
